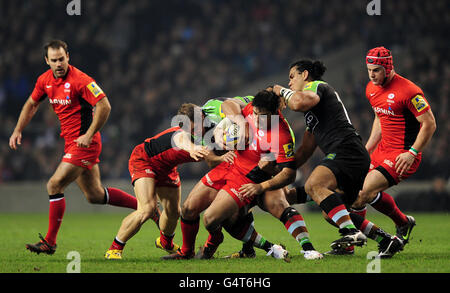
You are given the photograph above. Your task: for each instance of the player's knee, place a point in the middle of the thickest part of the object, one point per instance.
(210, 221)
(189, 212)
(54, 186)
(146, 212)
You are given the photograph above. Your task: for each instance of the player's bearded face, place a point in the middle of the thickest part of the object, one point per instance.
(58, 60)
(376, 74)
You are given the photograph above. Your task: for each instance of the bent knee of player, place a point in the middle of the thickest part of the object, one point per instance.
(146, 212)
(189, 211)
(54, 186)
(210, 221)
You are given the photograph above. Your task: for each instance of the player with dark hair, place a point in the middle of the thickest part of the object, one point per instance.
(403, 126)
(337, 180)
(230, 188)
(153, 169)
(73, 95)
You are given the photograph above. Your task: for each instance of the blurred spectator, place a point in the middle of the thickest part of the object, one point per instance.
(150, 56)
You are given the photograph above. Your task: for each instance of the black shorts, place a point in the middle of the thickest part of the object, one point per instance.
(349, 162)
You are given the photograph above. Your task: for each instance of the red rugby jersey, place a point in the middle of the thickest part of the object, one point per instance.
(397, 105)
(163, 152)
(274, 144)
(72, 98)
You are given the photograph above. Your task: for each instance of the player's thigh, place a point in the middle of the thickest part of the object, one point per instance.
(90, 184)
(145, 191)
(321, 178)
(222, 208)
(170, 198)
(200, 198)
(64, 174)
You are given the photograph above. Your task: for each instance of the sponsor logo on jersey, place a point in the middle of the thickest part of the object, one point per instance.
(65, 102)
(384, 111)
(419, 103)
(389, 163)
(148, 171)
(94, 89)
(67, 85)
(289, 150)
(67, 156)
(330, 156)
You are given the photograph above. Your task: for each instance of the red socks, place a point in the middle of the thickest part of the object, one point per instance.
(117, 197)
(55, 216)
(189, 228)
(385, 204)
(166, 241)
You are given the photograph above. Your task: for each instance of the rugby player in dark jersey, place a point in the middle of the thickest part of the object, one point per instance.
(337, 180)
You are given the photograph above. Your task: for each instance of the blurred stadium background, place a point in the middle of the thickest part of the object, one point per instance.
(150, 56)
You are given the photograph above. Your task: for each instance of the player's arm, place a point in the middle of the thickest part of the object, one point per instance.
(427, 129)
(101, 114)
(232, 111)
(284, 178)
(182, 140)
(213, 160)
(306, 149)
(375, 135)
(297, 100)
(29, 109)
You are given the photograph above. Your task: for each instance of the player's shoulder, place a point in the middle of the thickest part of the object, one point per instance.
(313, 86)
(46, 76)
(406, 85)
(79, 76)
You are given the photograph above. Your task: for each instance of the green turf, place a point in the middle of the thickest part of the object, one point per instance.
(90, 235)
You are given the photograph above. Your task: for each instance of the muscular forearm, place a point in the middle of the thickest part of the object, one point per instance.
(28, 111)
(284, 178)
(375, 136)
(101, 114)
(424, 136)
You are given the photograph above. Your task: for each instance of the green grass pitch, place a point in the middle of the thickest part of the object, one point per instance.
(90, 235)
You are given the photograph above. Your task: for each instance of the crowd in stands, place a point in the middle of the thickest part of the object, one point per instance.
(151, 56)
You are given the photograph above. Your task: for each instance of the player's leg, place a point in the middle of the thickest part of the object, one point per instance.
(373, 194)
(197, 201)
(170, 200)
(320, 186)
(275, 203)
(65, 174)
(90, 184)
(144, 189)
(222, 208)
(242, 228)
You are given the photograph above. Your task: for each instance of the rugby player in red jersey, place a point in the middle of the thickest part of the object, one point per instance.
(228, 189)
(73, 96)
(153, 169)
(403, 126)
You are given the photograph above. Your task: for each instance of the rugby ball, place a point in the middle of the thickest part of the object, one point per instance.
(231, 135)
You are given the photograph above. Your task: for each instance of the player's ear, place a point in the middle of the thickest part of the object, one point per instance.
(46, 60)
(305, 75)
(67, 55)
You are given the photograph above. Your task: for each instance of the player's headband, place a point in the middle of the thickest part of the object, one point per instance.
(380, 56)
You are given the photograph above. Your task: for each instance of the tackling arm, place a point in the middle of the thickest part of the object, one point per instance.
(306, 149)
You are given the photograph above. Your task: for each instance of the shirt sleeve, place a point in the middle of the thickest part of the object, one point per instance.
(285, 153)
(417, 104)
(39, 93)
(90, 90)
